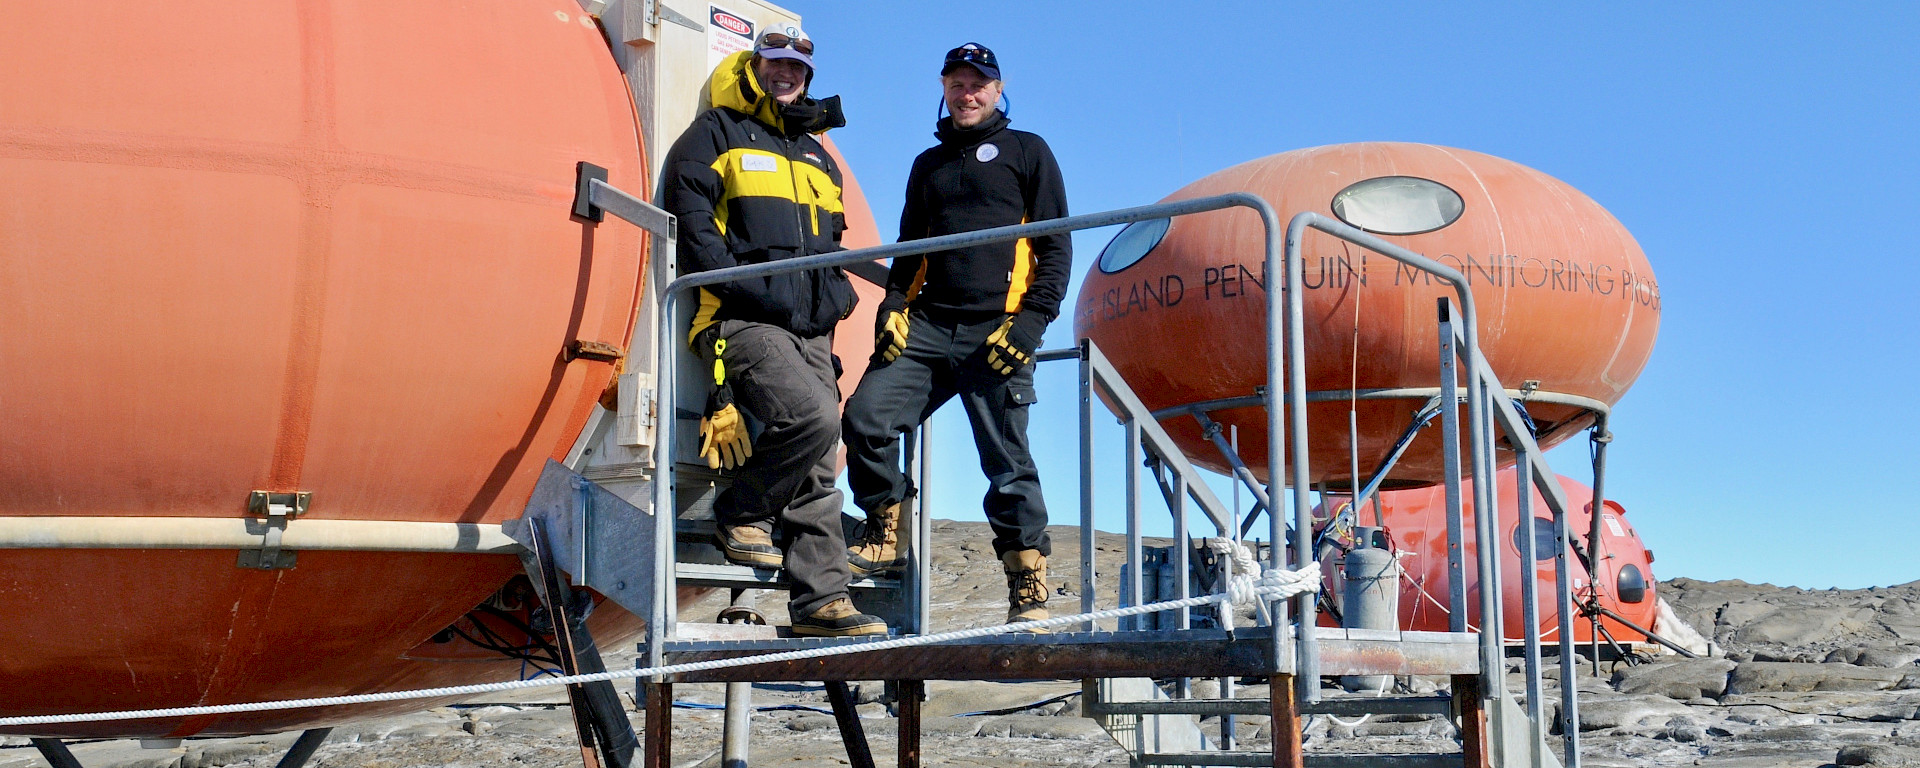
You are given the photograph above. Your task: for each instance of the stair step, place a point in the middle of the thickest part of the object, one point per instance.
(1313, 760)
(1381, 705)
(1402, 760)
(1386, 705)
(728, 575)
(1186, 707)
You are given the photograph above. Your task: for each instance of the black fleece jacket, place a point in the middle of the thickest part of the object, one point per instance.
(978, 178)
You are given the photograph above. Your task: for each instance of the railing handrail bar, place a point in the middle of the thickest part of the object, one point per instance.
(963, 239)
(1509, 420)
(1537, 473)
(1491, 652)
(1155, 437)
(666, 354)
(1598, 407)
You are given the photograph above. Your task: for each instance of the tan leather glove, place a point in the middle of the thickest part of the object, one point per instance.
(724, 442)
(892, 339)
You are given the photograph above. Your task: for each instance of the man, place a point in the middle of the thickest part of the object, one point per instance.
(751, 184)
(965, 322)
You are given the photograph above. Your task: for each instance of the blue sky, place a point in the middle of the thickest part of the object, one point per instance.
(1762, 154)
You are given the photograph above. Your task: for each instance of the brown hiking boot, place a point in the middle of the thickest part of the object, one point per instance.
(1026, 585)
(877, 550)
(839, 619)
(749, 546)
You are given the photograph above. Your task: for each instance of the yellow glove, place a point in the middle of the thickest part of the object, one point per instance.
(892, 339)
(723, 438)
(723, 432)
(1004, 354)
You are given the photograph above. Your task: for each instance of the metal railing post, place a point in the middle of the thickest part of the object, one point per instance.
(665, 420)
(1307, 679)
(1569, 665)
(1530, 604)
(1135, 560)
(909, 532)
(1088, 542)
(1182, 553)
(923, 529)
(1450, 453)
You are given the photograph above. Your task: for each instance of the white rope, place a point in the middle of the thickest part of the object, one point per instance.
(1274, 586)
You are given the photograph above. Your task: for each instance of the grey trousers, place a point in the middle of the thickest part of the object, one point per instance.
(943, 360)
(787, 384)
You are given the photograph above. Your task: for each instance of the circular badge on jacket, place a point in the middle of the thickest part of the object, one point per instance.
(986, 152)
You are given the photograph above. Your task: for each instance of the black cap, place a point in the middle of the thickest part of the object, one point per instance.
(975, 55)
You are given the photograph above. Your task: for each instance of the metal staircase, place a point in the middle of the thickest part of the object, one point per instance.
(1285, 645)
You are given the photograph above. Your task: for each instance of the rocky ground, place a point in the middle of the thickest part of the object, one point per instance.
(1798, 678)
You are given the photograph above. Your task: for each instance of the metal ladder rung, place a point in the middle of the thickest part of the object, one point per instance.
(1321, 760)
(1384, 705)
(1402, 760)
(1186, 707)
(1389, 705)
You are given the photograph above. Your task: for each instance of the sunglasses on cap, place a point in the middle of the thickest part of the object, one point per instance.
(777, 40)
(972, 53)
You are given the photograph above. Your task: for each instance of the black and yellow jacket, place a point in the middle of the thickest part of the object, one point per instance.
(751, 184)
(977, 178)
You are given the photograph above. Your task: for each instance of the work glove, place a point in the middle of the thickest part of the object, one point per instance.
(1010, 347)
(724, 442)
(891, 337)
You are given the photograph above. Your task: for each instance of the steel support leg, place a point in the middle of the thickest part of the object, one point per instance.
(55, 751)
(908, 703)
(1471, 707)
(733, 735)
(304, 747)
(659, 728)
(859, 754)
(738, 724)
(1288, 751)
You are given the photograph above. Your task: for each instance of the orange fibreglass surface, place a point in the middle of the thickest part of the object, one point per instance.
(853, 338)
(315, 246)
(1567, 334)
(1416, 520)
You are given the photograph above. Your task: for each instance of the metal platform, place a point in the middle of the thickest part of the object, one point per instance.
(1072, 655)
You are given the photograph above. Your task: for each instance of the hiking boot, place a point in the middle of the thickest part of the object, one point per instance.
(1026, 585)
(749, 546)
(877, 551)
(839, 619)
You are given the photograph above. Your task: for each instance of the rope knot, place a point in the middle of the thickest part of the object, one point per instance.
(1246, 583)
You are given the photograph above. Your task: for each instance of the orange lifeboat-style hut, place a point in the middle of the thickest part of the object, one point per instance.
(322, 250)
(1416, 524)
(1568, 306)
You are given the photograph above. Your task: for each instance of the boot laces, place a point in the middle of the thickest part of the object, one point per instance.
(1027, 586)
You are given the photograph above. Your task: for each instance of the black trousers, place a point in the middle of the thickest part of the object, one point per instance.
(788, 385)
(943, 360)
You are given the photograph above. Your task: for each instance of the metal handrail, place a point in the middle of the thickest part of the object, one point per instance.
(1484, 413)
(660, 623)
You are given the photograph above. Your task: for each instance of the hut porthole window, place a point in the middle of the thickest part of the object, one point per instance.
(1398, 205)
(1133, 243)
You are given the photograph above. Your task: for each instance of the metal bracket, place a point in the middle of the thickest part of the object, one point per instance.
(597, 351)
(659, 12)
(669, 14)
(596, 537)
(278, 509)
